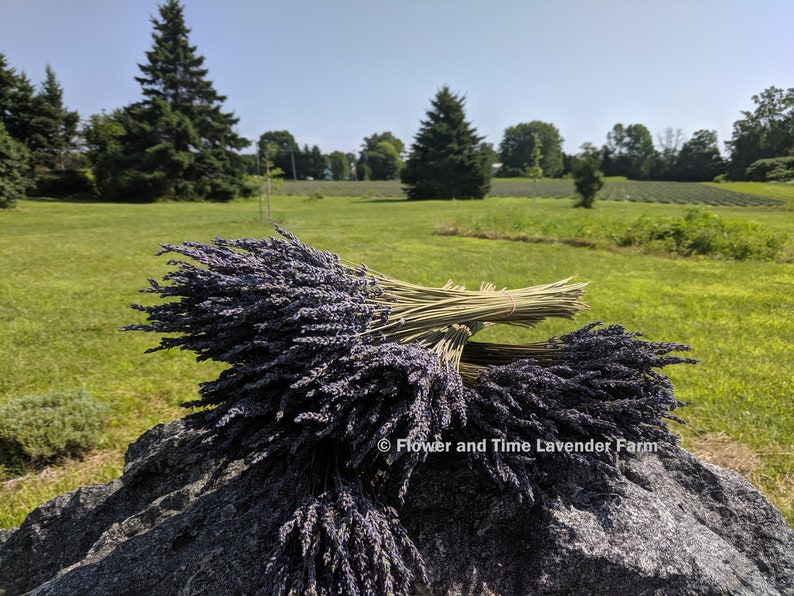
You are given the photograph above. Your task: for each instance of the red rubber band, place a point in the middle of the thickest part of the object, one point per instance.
(512, 300)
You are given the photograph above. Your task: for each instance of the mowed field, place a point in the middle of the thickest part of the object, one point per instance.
(70, 270)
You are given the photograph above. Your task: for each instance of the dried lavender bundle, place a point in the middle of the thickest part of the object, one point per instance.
(341, 542)
(276, 310)
(291, 322)
(604, 388)
(376, 395)
(332, 365)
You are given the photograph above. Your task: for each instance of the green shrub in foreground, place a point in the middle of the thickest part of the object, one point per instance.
(37, 429)
(699, 232)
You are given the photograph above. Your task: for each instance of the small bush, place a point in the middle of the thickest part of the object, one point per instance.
(696, 233)
(38, 429)
(587, 179)
(699, 232)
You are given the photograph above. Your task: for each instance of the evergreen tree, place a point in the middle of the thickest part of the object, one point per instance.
(16, 113)
(8, 83)
(46, 130)
(53, 128)
(318, 163)
(178, 143)
(447, 158)
(13, 169)
(16, 102)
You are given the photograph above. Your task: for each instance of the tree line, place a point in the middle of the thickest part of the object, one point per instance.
(178, 142)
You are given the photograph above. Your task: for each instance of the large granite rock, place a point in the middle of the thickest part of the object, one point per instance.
(178, 523)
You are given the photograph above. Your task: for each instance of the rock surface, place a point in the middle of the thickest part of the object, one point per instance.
(178, 523)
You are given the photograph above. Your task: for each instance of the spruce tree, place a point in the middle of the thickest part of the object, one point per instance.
(447, 159)
(53, 131)
(8, 83)
(16, 113)
(16, 102)
(13, 169)
(178, 142)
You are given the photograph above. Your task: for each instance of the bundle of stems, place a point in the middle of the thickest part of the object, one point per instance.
(444, 319)
(476, 356)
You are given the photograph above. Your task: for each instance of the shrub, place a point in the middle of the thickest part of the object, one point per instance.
(699, 232)
(37, 429)
(587, 179)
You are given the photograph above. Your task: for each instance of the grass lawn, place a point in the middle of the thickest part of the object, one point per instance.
(70, 271)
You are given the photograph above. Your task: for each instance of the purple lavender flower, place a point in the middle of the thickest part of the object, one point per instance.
(383, 392)
(276, 310)
(604, 388)
(342, 542)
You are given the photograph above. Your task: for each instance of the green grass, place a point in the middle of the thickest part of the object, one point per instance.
(70, 271)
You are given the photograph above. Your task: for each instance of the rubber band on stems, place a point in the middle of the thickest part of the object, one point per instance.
(512, 301)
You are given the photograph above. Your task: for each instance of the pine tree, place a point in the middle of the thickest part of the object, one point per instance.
(447, 158)
(13, 169)
(16, 109)
(8, 82)
(53, 131)
(178, 143)
(16, 102)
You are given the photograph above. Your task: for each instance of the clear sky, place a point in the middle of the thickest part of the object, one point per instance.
(333, 72)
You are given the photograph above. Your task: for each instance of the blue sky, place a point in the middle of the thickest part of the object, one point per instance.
(334, 72)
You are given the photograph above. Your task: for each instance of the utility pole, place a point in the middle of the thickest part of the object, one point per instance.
(267, 185)
(259, 175)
